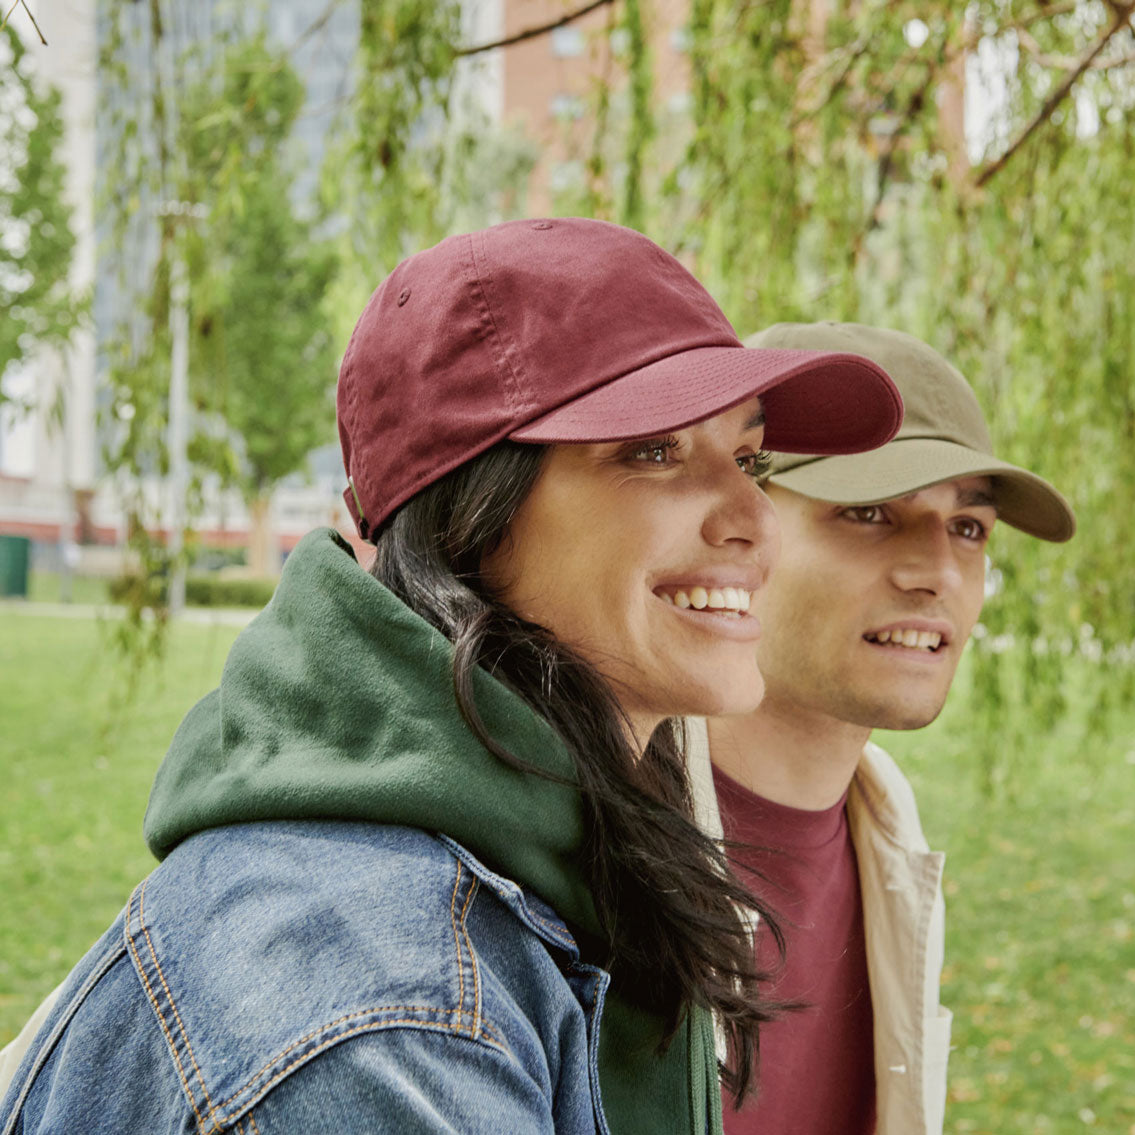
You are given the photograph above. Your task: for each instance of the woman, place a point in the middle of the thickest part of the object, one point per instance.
(432, 808)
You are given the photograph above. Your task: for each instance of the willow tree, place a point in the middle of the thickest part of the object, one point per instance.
(38, 306)
(198, 181)
(828, 173)
(262, 358)
(416, 157)
(825, 169)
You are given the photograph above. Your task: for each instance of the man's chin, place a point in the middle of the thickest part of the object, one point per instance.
(903, 718)
(857, 707)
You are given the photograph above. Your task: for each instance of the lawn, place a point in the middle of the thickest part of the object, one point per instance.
(76, 788)
(1040, 878)
(1040, 939)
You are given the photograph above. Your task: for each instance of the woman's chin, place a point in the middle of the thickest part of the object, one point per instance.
(732, 698)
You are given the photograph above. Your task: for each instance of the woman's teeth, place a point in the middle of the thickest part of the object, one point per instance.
(734, 599)
(917, 640)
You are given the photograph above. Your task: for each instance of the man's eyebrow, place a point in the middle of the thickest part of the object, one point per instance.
(977, 498)
(757, 420)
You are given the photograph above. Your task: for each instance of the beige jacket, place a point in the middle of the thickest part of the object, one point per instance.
(904, 917)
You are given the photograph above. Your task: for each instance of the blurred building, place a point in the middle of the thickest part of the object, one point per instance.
(52, 486)
(48, 472)
(550, 82)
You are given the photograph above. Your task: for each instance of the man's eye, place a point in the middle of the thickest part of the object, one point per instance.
(866, 514)
(970, 529)
(755, 464)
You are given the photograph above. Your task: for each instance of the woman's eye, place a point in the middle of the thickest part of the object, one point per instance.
(755, 464)
(658, 451)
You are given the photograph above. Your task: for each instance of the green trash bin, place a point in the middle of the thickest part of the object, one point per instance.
(14, 552)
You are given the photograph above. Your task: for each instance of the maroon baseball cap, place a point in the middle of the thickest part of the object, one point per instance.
(567, 330)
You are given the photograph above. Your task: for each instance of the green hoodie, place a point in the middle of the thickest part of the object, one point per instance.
(336, 702)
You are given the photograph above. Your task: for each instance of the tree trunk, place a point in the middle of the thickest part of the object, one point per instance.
(263, 551)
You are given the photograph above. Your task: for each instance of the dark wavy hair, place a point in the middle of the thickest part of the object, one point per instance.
(674, 916)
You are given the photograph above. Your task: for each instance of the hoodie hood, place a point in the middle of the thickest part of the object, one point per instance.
(337, 702)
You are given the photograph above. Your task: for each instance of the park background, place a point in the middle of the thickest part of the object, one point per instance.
(196, 200)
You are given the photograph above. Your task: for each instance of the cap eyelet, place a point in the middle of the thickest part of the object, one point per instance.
(403, 296)
(542, 225)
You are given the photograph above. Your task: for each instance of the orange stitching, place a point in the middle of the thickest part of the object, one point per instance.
(338, 1021)
(558, 931)
(238, 1129)
(362, 1029)
(172, 1004)
(472, 956)
(252, 1124)
(457, 941)
(157, 1010)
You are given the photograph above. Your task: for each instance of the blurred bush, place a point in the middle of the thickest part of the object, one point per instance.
(200, 591)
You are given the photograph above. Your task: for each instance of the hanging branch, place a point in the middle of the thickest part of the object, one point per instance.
(847, 56)
(1123, 13)
(1067, 62)
(532, 33)
(316, 25)
(22, 4)
(915, 105)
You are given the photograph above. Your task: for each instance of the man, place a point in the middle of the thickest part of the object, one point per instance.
(880, 581)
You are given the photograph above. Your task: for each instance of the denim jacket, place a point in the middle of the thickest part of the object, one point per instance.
(308, 957)
(321, 976)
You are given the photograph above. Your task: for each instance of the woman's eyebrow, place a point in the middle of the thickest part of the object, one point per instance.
(757, 420)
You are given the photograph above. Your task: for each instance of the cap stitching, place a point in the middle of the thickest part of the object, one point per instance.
(482, 282)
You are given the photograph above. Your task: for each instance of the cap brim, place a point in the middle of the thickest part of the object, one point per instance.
(1024, 500)
(820, 402)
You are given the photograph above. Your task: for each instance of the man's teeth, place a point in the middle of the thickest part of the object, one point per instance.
(919, 640)
(714, 598)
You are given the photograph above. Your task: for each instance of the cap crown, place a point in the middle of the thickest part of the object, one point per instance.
(468, 341)
(943, 436)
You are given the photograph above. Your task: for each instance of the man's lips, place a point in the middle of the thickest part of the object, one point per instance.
(925, 636)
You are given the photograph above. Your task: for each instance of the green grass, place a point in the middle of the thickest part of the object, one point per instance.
(1040, 895)
(75, 788)
(48, 587)
(1040, 878)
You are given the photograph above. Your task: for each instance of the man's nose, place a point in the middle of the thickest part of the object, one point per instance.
(927, 560)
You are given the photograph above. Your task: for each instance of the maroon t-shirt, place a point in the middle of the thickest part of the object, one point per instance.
(816, 1071)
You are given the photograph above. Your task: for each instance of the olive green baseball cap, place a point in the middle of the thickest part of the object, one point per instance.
(943, 435)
